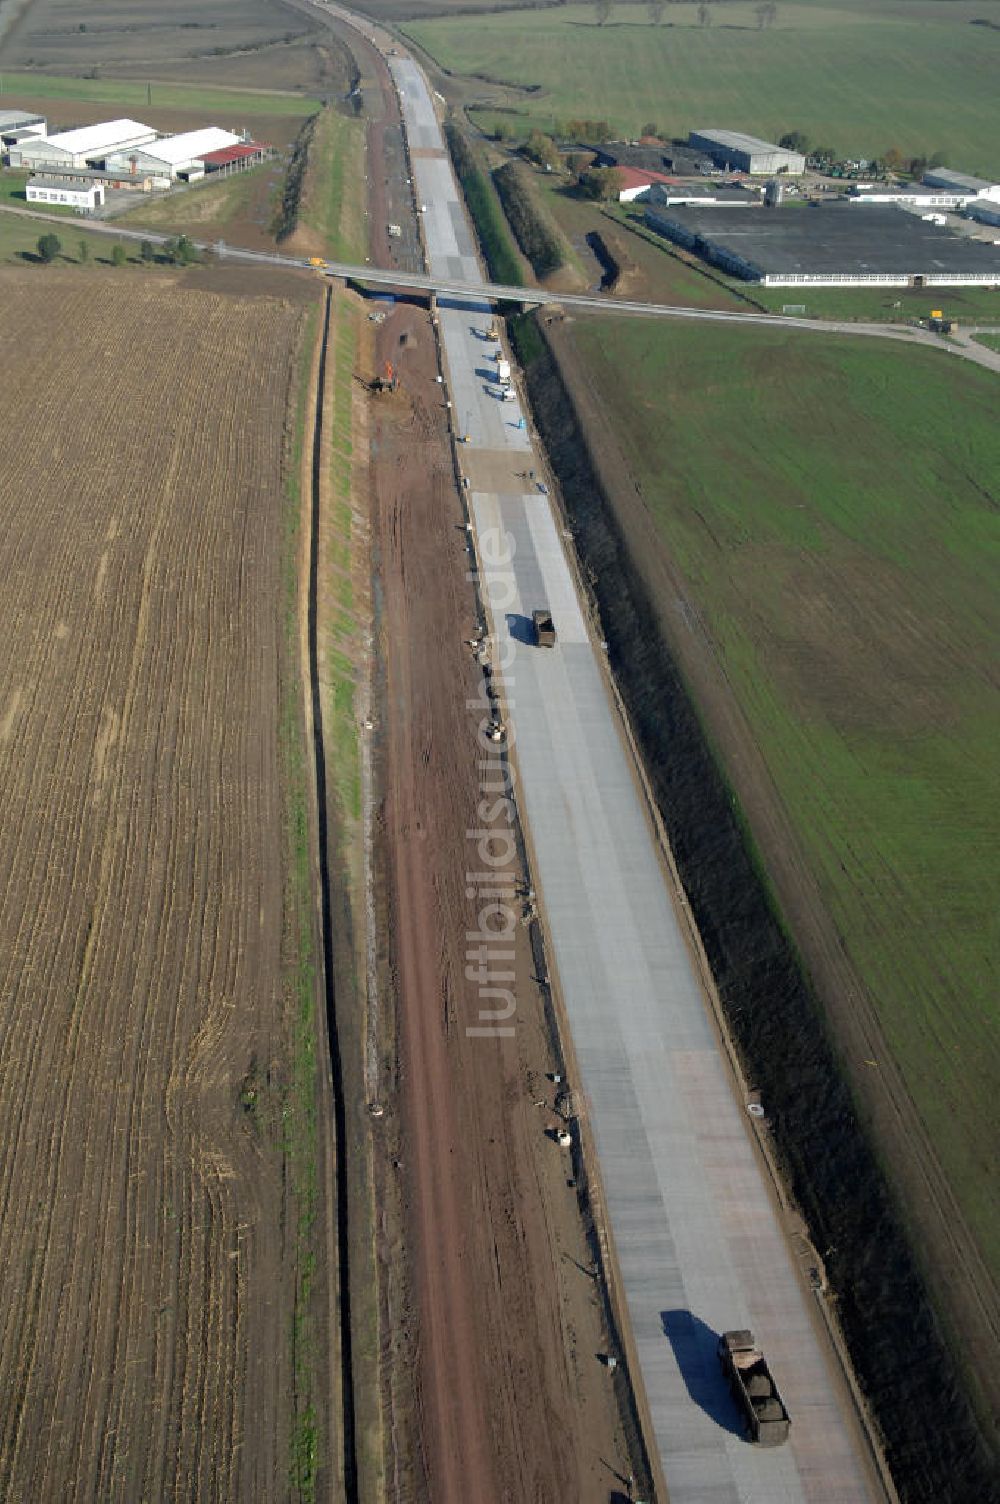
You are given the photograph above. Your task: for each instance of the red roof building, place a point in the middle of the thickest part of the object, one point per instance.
(242, 155)
(635, 180)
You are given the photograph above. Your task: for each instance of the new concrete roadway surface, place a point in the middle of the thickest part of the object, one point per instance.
(698, 1239)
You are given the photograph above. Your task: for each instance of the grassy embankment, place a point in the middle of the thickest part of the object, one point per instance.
(537, 233)
(840, 540)
(343, 630)
(340, 630)
(299, 1113)
(491, 227)
(332, 209)
(318, 199)
(860, 78)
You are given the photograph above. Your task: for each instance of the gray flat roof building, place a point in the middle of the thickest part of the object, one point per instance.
(957, 182)
(703, 194)
(16, 120)
(735, 149)
(831, 245)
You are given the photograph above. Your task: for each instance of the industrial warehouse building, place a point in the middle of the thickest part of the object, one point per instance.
(87, 146)
(831, 246)
(741, 153)
(172, 157)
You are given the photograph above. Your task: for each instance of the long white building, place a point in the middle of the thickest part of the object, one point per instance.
(86, 145)
(171, 157)
(77, 193)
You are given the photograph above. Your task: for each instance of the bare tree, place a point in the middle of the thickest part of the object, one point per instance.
(704, 15)
(657, 10)
(602, 10)
(766, 14)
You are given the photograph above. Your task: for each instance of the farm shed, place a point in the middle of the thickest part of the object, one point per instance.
(81, 147)
(701, 195)
(93, 175)
(235, 158)
(173, 157)
(734, 149)
(77, 192)
(831, 246)
(985, 212)
(635, 181)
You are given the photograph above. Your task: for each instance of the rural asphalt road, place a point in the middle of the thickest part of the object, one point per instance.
(447, 284)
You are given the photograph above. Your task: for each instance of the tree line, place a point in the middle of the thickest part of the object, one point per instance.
(177, 252)
(765, 14)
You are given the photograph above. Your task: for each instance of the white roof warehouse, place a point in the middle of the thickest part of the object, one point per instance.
(172, 156)
(89, 143)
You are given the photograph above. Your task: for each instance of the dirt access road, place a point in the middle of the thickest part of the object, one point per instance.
(493, 1321)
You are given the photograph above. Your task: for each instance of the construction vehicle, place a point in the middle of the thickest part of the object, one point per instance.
(387, 383)
(317, 261)
(503, 372)
(493, 332)
(754, 1389)
(395, 231)
(545, 632)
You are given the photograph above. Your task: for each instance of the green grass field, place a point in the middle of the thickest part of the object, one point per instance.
(834, 507)
(19, 237)
(209, 208)
(915, 74)
(12, 184)
(991, 341)
(135, 95)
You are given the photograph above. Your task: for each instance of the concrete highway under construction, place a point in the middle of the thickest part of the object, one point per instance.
(694, 1220)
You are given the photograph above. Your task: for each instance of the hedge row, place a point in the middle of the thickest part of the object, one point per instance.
(501, 259)
(537, 238)
(286, 220)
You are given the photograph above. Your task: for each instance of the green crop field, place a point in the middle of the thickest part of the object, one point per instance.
(916, 74)
(135, 95)
(834, 508)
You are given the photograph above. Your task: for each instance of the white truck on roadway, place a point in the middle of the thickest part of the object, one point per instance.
(503, 372)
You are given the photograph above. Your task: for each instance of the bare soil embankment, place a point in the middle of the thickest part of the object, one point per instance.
(934, 1446)
(492, 1317)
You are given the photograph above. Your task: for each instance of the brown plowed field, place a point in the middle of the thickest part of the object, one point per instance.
(149, 1243)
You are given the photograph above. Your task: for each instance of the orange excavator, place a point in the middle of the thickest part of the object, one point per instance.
(387, 383)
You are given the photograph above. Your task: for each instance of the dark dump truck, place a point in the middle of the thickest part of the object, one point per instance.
(545, 632)
(754, 1389)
